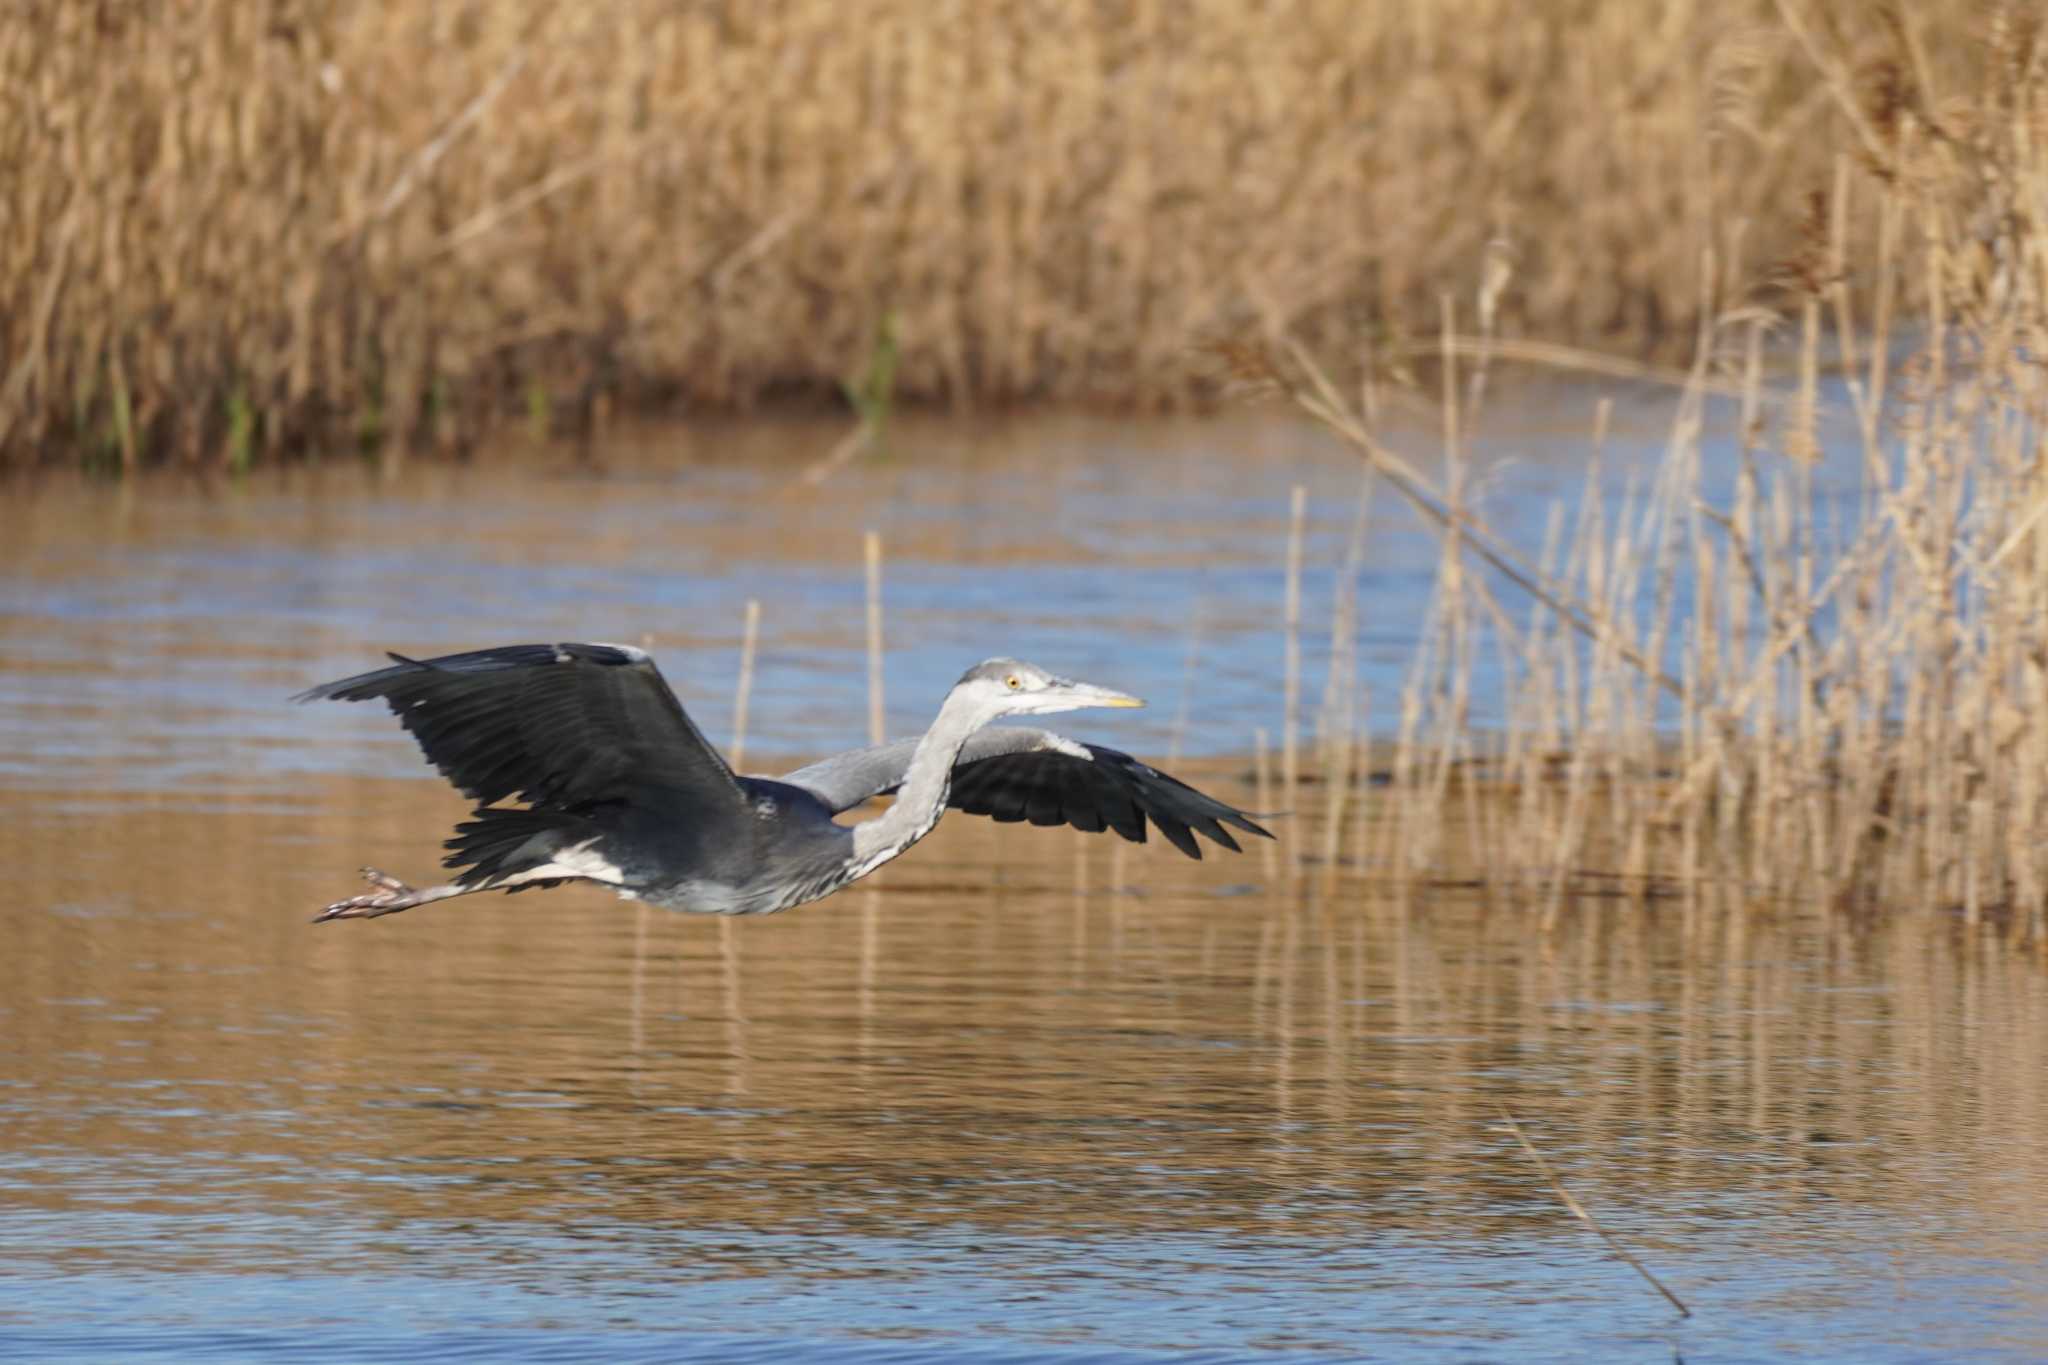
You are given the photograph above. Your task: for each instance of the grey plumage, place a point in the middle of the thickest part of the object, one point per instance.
(1011, 773)
(620, 788)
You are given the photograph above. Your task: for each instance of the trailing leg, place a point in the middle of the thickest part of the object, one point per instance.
(390, 897)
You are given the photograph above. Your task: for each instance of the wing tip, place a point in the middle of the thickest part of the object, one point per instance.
(341, 688)
(602, 653)
(1178, 834)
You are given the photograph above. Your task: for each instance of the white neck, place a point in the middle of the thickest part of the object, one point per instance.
(927, 781)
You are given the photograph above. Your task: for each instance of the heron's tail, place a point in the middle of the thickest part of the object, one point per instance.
(499, 842)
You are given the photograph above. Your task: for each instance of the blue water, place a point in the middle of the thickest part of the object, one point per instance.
(1035, 1098)
(1150, 558)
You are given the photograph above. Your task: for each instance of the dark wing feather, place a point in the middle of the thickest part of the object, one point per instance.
(557, 726)
(1109, 789)
(1015, 773)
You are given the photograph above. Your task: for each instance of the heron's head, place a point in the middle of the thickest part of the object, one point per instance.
(1011, 687)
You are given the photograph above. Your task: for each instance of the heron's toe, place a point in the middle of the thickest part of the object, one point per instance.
(395, 896)
(384, 881)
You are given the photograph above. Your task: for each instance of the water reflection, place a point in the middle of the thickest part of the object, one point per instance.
(1018, 1094)
(1024, 1095)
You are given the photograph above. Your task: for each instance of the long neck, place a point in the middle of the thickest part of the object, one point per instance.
(921, 798)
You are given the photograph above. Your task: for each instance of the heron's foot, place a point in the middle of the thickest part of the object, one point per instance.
(391, 896)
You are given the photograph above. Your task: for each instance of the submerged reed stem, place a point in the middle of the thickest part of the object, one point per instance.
(1578, 1211)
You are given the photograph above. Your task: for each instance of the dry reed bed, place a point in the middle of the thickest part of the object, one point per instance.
(231, 228)
(1844, 709)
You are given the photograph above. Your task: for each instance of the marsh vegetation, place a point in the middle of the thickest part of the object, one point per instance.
(241, 232)
(1739, 686)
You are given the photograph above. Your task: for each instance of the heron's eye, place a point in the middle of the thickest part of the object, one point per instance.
(1014, 682)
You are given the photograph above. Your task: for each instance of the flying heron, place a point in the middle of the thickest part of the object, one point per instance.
(621, 789)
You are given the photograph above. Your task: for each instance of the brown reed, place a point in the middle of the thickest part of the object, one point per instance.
(239, 228)
(743, 691)
(1846, 712)
(871, 554)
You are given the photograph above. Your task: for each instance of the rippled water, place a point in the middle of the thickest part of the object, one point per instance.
(1026, 1095)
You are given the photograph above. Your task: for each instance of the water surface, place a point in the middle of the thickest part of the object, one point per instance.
(1026, 1095)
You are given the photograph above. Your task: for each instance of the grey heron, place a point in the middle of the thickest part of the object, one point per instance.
(620, 788)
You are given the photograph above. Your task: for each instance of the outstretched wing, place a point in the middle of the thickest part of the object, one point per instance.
(556, 726)
(1011, 773)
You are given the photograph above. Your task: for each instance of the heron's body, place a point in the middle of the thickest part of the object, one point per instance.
(619, 787)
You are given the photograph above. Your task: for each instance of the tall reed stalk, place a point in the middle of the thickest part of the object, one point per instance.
(1729, 690)
(744, 691)
(871, 554)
